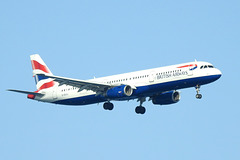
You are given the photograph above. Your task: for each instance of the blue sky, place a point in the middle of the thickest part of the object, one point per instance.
(83, 39)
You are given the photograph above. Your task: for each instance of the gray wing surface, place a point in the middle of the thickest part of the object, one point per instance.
(81, 84)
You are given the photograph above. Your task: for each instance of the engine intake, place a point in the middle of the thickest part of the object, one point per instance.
(166, 98)
(119, 91)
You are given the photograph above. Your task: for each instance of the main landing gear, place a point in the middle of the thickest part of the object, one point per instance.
(108, 106)
(140, 109)
(198, 96)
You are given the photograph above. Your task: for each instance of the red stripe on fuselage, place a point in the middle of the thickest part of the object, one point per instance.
(46, 85)
(189, 65)
(37, 65)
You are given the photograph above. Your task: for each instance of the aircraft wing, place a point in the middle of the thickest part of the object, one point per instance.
(81, 84)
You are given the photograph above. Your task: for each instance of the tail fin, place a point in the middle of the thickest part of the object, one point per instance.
(39, 67)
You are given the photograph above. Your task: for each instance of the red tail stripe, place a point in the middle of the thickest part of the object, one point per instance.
(46, 85)
(36, 65)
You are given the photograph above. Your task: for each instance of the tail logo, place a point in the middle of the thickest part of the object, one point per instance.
(39, 65)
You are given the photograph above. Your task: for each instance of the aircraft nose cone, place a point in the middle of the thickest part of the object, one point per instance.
(218, 73)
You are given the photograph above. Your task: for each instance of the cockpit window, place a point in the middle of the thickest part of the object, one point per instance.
(206, 66)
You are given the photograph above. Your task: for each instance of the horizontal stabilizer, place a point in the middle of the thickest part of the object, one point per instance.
(26, 92)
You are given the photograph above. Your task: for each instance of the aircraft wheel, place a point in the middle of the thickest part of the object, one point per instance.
(108, 106)
(140, 110)
(137, 110)
(198, 96)
(143, 110)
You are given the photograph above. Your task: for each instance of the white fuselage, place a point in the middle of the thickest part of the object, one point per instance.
(145, 83)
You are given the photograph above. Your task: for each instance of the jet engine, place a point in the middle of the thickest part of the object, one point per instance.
(166, 98)
(119, 91)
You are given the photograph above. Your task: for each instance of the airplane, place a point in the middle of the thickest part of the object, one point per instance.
(160, 85)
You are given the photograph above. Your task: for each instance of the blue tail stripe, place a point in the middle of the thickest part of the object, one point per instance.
(41, 78)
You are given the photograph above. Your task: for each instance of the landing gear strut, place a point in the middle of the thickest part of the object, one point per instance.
(140, 109)
(108, 106)
(198, 96)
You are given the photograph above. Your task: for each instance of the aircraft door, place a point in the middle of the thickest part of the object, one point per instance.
(54, 95)
(152, 77)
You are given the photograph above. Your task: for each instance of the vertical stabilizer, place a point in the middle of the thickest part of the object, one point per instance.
(39, 67)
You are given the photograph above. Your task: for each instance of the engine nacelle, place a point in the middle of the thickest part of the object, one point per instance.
(119, 91)
(166, 98)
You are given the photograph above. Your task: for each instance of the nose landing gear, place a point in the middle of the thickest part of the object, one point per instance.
(198, 95)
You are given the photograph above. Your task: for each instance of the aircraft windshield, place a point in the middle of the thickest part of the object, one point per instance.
(206, 66)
